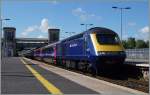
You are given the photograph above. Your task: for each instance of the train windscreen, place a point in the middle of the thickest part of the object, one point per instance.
(107, 38)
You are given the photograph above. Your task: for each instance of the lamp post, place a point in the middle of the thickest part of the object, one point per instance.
(1, 29)
(86, 25)
(70, 33)
(121, 10)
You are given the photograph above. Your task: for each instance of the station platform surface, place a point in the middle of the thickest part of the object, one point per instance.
(25, 76)
(138, 62)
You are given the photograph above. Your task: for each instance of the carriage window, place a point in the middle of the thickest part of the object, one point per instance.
(48, 50)
(107, 38)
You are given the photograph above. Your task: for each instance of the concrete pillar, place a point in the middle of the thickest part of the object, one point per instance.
(9, 41)
(53, 35)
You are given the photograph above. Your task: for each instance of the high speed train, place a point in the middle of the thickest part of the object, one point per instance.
(89, 50)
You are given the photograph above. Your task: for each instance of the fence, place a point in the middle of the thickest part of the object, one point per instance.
(142, 54)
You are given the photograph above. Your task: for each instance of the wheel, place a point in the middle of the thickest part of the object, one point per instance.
(92, 69)
(94, 72)
(76, 65)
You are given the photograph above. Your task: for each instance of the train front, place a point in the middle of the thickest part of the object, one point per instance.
(108, 47)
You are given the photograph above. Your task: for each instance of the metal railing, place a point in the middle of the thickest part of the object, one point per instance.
(138, 54)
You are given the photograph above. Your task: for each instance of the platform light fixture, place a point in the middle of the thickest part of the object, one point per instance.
(121, 10)
(1, 29)
(86, 25)
(70, 33)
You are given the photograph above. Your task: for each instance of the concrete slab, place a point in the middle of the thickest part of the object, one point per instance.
(66, 86)
(138, 62)
(103, 87)
(16, 78)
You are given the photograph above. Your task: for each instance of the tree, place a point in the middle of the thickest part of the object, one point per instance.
(124, 43)
(147, 44)
(131, 43)
(141, 44)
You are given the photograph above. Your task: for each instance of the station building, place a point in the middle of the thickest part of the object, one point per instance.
(12, 46)
(53, 35)
(9, 41)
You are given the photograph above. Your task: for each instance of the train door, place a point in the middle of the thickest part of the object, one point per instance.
(63, 49)
(85, 45)
(55, 54)
(41, 54)
(63, 53)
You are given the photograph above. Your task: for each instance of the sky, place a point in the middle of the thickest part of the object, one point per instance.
(32, 18)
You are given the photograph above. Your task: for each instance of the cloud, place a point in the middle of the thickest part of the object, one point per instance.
(44, 25)
(29, 30)
(54, 2)
(144, 29)
(78, 11)
(32, 28)
(83, 15)
(143, 33)
(131, 24)
(40, 36)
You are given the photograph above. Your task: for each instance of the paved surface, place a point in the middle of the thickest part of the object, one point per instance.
(17, 79)
(102, 87)
(137, 62)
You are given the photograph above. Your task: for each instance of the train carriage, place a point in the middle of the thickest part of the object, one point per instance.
(90, 49)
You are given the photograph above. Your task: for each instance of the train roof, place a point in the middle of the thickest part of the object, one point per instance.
(99, 30)
(50, 45)
(73, 37)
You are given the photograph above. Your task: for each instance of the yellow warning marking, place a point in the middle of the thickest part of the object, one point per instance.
(50, 87)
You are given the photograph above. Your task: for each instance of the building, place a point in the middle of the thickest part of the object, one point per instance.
(9, 43)
(12, 46)
(53, 35)
(24, 44)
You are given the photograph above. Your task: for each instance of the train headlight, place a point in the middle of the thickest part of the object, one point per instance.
(101, 53)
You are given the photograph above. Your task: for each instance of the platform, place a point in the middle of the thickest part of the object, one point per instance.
(25, 76)
(138, 62)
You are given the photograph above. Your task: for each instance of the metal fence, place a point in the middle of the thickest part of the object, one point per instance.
(142, 54)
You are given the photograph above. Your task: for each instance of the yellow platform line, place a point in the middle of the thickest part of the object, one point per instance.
(50, 87)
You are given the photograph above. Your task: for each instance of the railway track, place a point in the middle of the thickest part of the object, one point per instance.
(137, 84)
(119, 78)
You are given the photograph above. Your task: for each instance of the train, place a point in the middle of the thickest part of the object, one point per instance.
(89, 50)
